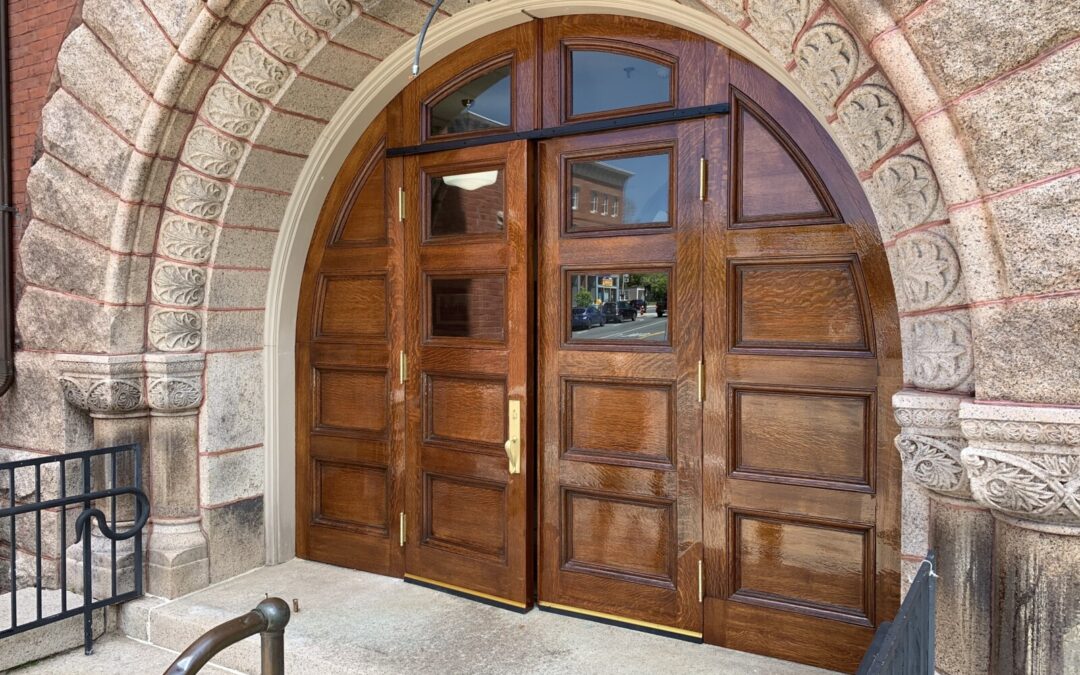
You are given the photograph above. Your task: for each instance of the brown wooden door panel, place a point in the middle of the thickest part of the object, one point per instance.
(350, 417)
(469, 518)
(620, 505)
(799, 479)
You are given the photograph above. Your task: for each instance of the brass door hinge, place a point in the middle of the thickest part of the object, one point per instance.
(403, 367)
(701, 381)
(703, 178)
(401, 535)
(701, 581)
(401, 204)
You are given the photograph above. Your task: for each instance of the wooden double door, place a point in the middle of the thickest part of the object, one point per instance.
(639, 374)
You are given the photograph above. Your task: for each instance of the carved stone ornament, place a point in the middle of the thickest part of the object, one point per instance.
(325, 14)
(172, 395)
(196, 196)
(934, 463)
(256, 71)
(930, 441)
(232, 110)
(102, 385)
(827, 57)
(781, 20)
(284, 34)
(930, 269)
(175, 331)
(941, 352)
(179, 285)
(907, 187)
(212, 153)
(1027, 467)
(187, 240)
(875, 120)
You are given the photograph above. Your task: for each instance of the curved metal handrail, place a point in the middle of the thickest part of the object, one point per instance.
(269, 618)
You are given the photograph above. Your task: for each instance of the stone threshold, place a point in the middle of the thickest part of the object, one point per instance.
(355, 622)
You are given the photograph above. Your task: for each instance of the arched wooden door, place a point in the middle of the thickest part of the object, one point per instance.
(699, 319)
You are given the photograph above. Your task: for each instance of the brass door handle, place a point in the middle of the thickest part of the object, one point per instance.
(513, 445)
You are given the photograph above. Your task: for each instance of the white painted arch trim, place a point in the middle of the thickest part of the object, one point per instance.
(326, 159)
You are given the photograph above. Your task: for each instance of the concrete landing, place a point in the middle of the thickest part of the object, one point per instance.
(353, 622)
(39, 643)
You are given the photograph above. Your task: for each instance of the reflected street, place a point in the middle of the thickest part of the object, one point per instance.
(648, 327)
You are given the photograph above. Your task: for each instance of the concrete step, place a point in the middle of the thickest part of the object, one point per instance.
(114, 653)
(45, 641)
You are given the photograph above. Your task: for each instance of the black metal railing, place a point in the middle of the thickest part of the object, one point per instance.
(905, 646)
(268, 618)
(110, 478)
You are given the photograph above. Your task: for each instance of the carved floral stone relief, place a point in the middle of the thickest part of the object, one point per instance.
(930, 269)
(175, 331)
(212, 153)
(874, 120)
(283, 34)
(256, 71)
(827, 58)
(930, 441)
(187, 240)
(232, 111)
(196, 196)
(940, 350)
(907, 188)
(179, 285)
(1027, 469)
(326, 14)
(780, 20)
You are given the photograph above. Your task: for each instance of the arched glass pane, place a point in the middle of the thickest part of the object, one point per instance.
(609, 81)
(482, 103)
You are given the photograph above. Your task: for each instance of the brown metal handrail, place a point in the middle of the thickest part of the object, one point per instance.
(269, 618)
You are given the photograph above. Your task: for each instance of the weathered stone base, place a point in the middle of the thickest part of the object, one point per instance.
(178, 561)
(962, 532)
(1038, 598)
(101, 566)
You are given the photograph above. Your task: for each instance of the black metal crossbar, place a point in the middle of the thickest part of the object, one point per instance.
(90, 479)
(906, 645)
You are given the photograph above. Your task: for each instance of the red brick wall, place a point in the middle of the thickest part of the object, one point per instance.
(37, 27)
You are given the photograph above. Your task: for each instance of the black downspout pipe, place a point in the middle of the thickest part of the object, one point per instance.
(7, 211)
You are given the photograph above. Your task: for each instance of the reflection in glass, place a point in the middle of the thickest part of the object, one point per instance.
(609, 81)
(482, 103)
(468, 307)
(619, 306)
(625, 191)
(467, 203)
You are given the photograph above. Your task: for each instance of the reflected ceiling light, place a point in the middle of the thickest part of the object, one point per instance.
(472, 181)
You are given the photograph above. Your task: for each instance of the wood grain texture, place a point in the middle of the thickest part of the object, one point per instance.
(352, 495)
(620, 423)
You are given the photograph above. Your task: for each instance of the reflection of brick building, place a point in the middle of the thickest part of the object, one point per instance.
(597, 195)
(468, 307)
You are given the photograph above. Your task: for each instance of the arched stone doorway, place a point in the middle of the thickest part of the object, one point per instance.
(164, 86)
(725, 468)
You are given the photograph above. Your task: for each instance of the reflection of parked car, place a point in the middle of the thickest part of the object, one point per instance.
(661, 307)
(619, 311)
(639, 305)
(584, 318)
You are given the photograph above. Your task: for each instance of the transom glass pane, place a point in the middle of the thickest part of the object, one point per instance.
(482, 103)
(619, 306)
(467, 203)
(609, 81)
(624, 191)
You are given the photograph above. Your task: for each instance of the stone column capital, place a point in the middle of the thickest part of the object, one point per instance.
(174, 383)
(102, 385)
(1024, 463)
(930, 441)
